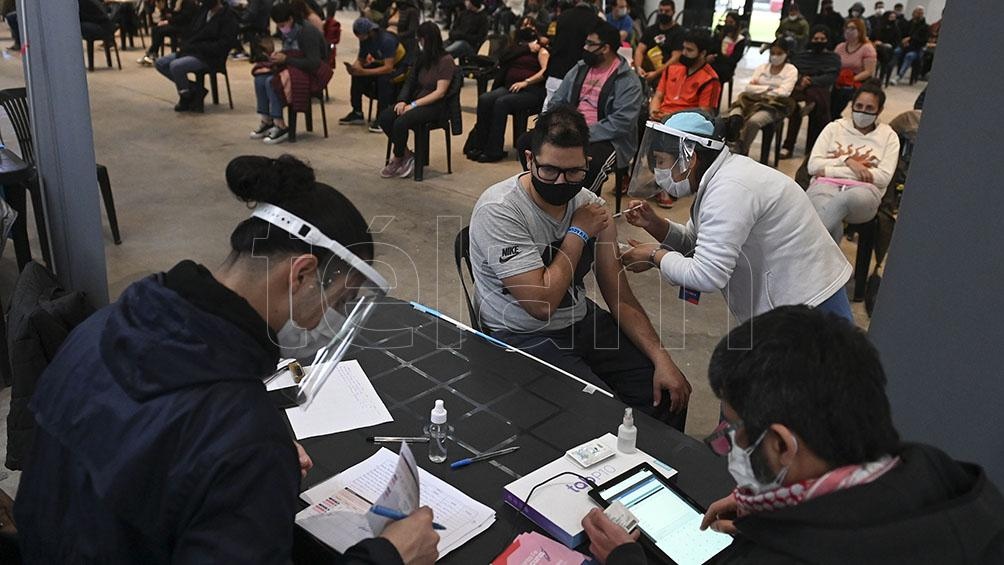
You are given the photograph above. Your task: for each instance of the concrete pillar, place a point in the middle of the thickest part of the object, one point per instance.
(64, 145)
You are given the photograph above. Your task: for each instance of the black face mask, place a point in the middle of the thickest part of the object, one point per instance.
(590, 58)
(729, 29)
(687, 61)
(817, 48)
(663, 19)
(555, 194)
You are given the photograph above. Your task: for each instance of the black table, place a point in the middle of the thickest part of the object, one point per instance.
(494, 399)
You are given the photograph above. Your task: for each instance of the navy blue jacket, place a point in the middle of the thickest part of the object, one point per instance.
(157, 442)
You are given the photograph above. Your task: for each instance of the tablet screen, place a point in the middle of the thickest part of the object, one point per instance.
(672, 523)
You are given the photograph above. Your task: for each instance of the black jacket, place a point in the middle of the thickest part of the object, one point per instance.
(184, 15)
(211, 41)
(157, 442)
(889, 33)
(822, 68)
(920, 32)
(471, 27)
(928, 510)
(566, 48)
(92, 12)
(834, 22)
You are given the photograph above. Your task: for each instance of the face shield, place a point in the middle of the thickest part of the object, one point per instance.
(350, 289)
(665, 159)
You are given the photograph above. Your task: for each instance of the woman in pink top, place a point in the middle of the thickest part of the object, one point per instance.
(857, 64)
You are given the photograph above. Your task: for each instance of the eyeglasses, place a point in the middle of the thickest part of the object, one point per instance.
(720, 440)
(551, 173)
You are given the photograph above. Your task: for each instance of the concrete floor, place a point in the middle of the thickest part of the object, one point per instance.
(167, 174)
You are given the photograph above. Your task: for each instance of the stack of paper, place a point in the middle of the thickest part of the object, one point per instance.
(559, 505)
(533, 548)
(347, 401)
(336, 514)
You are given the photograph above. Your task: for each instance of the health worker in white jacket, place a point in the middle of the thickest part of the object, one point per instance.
(752, 234)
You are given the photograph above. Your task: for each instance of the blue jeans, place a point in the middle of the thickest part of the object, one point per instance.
(269, 103)
(460, 48)
(908, 58)
(177, 68)
(838, 305)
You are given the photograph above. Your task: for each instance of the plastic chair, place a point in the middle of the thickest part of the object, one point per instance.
(309, 113)
(109, 44)
(15, 103)
(462, 254)
(200, 77)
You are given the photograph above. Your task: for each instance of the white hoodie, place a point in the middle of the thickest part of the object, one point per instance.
(756, 238)
(840, 140)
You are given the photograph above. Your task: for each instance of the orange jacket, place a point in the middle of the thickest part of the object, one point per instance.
(681, 92)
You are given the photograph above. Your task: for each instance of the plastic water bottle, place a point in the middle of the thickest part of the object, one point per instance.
(437, 433)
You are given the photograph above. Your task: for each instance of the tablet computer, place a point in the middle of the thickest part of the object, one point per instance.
(669, 520)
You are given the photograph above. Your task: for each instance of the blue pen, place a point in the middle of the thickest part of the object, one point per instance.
(397, 515)
(482, 457)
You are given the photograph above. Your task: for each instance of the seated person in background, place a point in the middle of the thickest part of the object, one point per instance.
(469, 31)
(519, 87)
(571, 27)
(793, 29)
(305, 13)
(381, 60)
(667, 36)
(173, 22)
(94, 21)
(852, 163)
(605, 91)
(533, 240)
(179, 455)
(297, 72)
(830, 18)
(874, 22)
(887, 40)
(620, 18)
(817, 71)
(727, 47)
(402, 20)
(912, 46)
(767, 96)
(689, 84)
(422, 99)
(206, 46)
(857, 64)
(831, 487)
(539, 16)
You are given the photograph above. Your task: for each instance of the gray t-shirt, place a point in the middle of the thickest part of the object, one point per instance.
(511, 235)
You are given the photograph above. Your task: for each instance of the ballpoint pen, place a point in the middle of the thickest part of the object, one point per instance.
(397, 439)
(482, 457)
(397, 515)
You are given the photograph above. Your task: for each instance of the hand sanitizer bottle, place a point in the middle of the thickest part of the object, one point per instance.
(437, 433)
(627, 433)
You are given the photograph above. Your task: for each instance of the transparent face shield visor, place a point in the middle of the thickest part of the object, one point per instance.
(350, 291)
(665, 155)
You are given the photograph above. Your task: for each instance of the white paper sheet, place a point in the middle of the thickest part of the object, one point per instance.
(462, 516)
(347, 401)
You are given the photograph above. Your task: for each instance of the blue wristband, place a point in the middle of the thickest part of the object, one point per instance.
(579, 232)
(414, 105)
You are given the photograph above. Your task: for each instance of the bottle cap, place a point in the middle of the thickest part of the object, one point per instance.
(438, 413)
(628, 418)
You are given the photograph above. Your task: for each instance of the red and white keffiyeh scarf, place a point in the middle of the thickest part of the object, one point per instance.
(797, 493)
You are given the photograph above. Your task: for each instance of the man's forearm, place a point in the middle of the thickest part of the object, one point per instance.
(634, 322)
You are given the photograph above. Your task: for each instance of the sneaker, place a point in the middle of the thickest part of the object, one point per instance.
(893, 81)
(352, 118)
(375, 127)
(407, 165)
(391, 169)
(145, 60)
(262, 131)
(276, 135)
(785, 153)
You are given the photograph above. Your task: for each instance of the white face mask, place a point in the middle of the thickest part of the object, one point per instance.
(863, 120)
(741, 468)
(299, 343)
(777, 59)
(675, 188)
(793, 17)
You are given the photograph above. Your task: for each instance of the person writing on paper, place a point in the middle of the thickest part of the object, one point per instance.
(822, 474)
(156, 441)
(534, 237)
(752, 234)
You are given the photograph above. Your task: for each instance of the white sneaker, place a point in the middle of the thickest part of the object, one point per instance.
(262, 131)
(145, 60)
(893, 81)
(407, 166)
(276, 135)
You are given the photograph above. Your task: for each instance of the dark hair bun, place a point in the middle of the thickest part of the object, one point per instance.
(254, 178)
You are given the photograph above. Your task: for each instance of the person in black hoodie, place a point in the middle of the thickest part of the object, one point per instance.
(212, 33)
(94, 21)
(469, 31)
(823, 477)
(572, 27)
(156, 440)
(174, 21)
